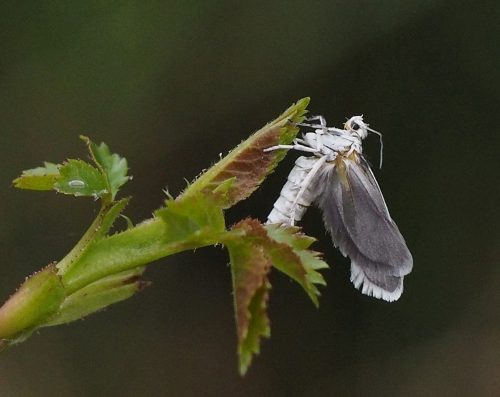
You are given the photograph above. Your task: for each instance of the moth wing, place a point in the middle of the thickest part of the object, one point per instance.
(355, 213)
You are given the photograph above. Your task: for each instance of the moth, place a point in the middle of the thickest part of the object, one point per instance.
(337, 178)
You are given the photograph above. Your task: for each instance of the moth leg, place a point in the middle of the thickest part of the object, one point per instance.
(322, 125)
(318, 140)
(319, 118)
(297, 146)
(305, 184)
(320, 129)
(336, 131)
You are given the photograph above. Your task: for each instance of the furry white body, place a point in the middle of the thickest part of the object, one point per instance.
(339, 180)
(298, 193)
(284, 209)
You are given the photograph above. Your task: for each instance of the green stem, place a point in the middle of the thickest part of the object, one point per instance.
(78, 250)
(135, 247)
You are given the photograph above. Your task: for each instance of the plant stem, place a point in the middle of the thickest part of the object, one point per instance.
(135, 247)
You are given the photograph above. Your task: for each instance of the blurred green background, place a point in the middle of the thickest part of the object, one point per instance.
(170, 85)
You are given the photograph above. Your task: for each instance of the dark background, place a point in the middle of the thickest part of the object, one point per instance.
(170, 85)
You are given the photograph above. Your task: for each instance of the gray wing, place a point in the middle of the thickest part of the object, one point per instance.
(355, 213)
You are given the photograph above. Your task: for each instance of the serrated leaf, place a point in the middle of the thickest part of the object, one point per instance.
(253, 249)
(258, 327)
(248, 164)
(110, 215)
(40, 178)
(288, 251)
(113, 166)
(250, 266)
(79, 178)
(194, 217)
(290, 255)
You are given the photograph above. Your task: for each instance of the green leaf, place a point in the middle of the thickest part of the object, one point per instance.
(79, 178)
(258, 327)
(290, 254)
(109, 217)
(250, 266)
(253, 249)
(37, 299)
(98, 295)
(288, 251)
(40, 178)
(113, 167)
(194, 217)
(248, 164)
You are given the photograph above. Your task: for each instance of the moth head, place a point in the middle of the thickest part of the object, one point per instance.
(357, 126)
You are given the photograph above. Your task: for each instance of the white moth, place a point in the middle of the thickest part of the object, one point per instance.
(338, 179)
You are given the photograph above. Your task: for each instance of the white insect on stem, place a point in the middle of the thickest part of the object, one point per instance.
(326, 144)
(339, 180)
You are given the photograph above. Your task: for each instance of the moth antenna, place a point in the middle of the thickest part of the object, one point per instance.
(381, 145)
